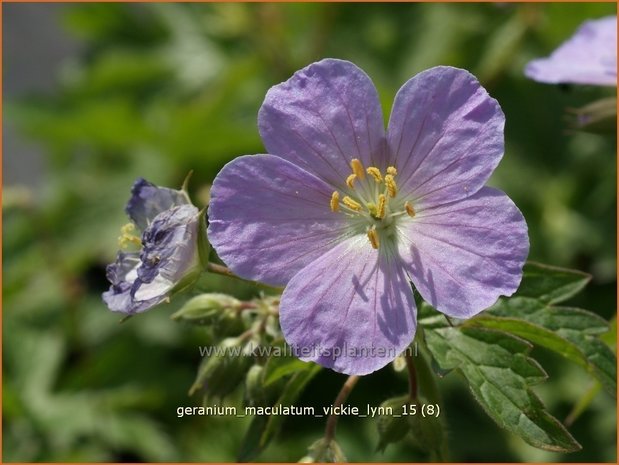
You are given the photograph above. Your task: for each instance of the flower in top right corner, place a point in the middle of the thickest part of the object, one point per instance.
(588, 57)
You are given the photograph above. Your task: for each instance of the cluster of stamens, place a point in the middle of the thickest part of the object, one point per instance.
(374, 199)
(127, 237)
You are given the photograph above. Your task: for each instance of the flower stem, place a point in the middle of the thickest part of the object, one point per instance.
(224, 271)
(220, 269)
(412, 375)
(339, 400)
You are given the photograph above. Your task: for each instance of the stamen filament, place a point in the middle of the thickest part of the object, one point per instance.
(373, 237)
(375, 173)
(350, 180)
(357, 168)
(335, 201)
(392, 187)
(352, 204)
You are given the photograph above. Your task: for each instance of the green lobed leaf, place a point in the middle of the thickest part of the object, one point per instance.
(551, 284)
(500, 373)
(570, 332)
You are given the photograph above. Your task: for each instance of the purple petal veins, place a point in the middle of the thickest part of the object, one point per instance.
(348, 216)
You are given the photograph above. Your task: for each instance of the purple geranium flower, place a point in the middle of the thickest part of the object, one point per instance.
(168, 258)
(347, 216)
(588, 57)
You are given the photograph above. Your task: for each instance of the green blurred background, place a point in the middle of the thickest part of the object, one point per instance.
(156, 90)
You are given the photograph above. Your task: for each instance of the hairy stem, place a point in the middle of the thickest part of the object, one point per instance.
(412, 375)
(224, 271)
(339, 400)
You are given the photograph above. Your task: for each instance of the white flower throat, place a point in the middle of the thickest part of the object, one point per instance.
(373, 201)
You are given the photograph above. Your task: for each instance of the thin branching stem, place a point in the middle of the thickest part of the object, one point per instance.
(339, 401)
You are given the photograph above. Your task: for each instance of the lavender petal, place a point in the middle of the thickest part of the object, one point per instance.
(351, 310)
(464, 255)
(148, 200)
(446, 135)
(588, 57)
(268, 218)
(322, 117)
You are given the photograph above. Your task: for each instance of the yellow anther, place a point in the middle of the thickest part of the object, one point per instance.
(375, 173)
(350, 180)
(127, 228)
(335, 201)
(126, 237)
(352, 204)
(392, 171)
(392, 187)
(382, 202)
(357, 168)
(373, 237)
(409, 209)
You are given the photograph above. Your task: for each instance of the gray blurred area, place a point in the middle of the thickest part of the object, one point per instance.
(34, 48)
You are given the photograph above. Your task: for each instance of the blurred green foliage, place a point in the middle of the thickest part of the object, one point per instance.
(161, 89)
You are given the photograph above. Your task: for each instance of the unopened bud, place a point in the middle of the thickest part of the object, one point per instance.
(324, 451)
(254, 386)
(204, 308)
(223, 370)
(392, 427)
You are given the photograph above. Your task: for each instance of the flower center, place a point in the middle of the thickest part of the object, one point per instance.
(372, 200)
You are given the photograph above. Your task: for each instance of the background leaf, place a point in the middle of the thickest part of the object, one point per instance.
(499, 374)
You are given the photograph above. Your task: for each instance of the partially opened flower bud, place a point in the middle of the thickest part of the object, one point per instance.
(165, 259)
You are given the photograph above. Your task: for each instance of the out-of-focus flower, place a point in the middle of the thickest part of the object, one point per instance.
(588, 57)
(347, 216)
(166, 257)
